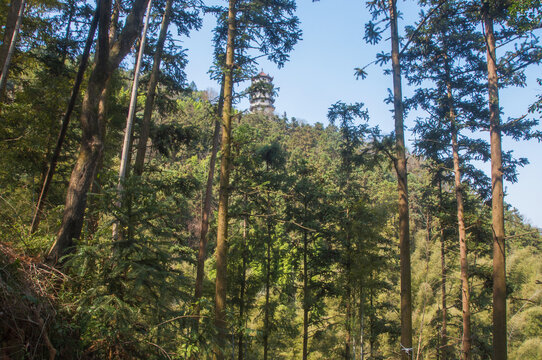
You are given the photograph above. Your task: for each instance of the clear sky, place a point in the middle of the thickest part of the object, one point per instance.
(321, 72)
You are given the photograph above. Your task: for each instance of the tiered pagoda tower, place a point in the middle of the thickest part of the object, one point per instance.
(261, 97)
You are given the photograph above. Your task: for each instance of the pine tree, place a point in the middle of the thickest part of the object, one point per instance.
(373, 35)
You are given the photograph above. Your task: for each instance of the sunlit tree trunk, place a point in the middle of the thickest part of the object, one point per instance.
(126, 146)
(151, 92)
(465, 294)
(222, 226)
(206, 210)
(401, 169)
(497, 201)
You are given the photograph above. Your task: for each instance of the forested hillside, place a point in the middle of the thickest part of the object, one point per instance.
(170, 223)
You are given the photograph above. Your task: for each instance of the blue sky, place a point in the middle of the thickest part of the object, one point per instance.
(320, 73)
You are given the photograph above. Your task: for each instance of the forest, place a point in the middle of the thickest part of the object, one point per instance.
(144, 218)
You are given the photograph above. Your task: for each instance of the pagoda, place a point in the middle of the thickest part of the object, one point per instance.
(261, 95)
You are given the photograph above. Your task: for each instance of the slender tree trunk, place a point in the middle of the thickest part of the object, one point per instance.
(497, 209)
(222, 229)
(465, 293)
(401, 169)
(71, 13)
(206, 211)
(8, 46)
(348, 320)
(124, 163)
(306, 296)
(151, 92)
(108, 59)
(65, 121)
(443, 334)
(372, 338)
(361, 323)
(11, 22)
(267, 293)
(243, 285)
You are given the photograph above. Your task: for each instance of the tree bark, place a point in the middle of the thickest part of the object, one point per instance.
(151, 92)
(124, 162)
(10, 38)
(65, 121)
(497, 201)
(443, 333)
(222, 229)
(401, 169)
(107, 60)
(206, 211)
(96, 187)
(465, 293)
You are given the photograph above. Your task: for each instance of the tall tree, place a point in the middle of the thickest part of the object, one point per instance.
(271, 28)
(449, 60)
(109, 57)
(497, 195)
(373, 35)
(528, 52)
(223, 194)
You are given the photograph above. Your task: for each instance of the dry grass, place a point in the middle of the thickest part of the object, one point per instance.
(28, 291)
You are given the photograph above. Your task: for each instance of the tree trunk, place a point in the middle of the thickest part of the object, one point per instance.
(222, 229)
(11, 22)
(206, 211)
(372, 320)
(401, 169)
(96, 187)
(443, 334)
(361, 324)
(267, 293)
(243, 284)
(151, 92)
(306, 296)
(497, 208)
(16, 11)
(130, 120)
(465, 293)
(267, 277)
(348, 320)
(465, 297)
(65, 121)
(107, 60)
